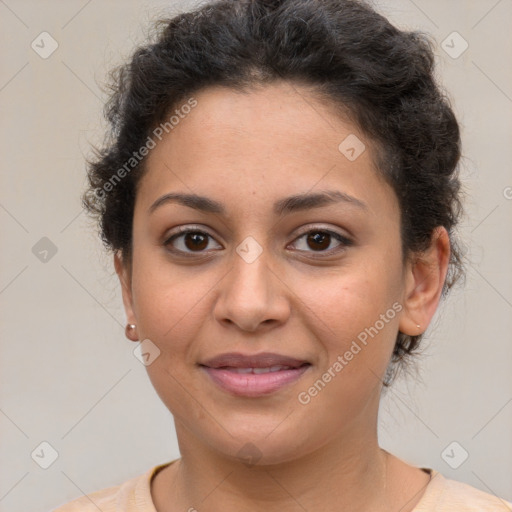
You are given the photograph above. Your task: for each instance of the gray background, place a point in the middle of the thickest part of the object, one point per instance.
(68, 375)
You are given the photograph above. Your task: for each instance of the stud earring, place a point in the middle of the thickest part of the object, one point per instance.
(128, 331)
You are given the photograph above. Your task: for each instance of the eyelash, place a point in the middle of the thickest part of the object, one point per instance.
(345, 242)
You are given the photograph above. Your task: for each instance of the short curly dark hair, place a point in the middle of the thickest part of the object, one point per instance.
(378, 76)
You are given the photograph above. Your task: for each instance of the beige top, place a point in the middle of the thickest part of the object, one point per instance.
(441, 495)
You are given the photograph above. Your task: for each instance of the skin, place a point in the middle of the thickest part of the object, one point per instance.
(247, 150)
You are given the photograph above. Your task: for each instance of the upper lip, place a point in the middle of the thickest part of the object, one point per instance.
(262, 360)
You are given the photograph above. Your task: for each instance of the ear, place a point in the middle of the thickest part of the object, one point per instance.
(123, 272)
(424, 280)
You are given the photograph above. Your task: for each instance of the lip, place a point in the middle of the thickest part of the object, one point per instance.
(223, 371)
(253, 385)
(261, 360)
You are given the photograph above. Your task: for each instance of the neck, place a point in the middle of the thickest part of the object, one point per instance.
(349, 473)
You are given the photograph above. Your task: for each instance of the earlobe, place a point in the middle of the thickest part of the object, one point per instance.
(424, 281)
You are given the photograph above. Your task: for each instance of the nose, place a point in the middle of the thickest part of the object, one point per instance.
(252, 296)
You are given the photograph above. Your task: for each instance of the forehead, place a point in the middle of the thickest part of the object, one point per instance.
(268, 142)
(284, 117)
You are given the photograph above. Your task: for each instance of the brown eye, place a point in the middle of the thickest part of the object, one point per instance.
(189, 241)
(195, 241)
(320, 240)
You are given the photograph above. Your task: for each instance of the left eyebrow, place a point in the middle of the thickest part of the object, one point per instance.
(301, 202)
(298, 202)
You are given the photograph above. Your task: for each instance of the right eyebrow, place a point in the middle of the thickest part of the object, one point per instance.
(201, 203)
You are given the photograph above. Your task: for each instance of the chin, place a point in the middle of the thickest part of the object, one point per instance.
(265, 447)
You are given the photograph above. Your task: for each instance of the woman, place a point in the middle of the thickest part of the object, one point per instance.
(280, 193)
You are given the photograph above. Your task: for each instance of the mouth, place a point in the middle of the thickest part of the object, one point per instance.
(261, 360)
(254, 375)
(259, 371)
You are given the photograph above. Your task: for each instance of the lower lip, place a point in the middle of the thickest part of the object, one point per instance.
(251, 384)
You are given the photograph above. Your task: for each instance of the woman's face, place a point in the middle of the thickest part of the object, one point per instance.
(266, 278)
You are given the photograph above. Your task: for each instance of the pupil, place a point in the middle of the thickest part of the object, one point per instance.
(196, 237)
(318, 238)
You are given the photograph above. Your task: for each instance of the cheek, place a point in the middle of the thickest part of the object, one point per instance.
(356, 316)
(352, 298)
(356, 323)
(171, 303)
(171, 309)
